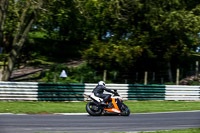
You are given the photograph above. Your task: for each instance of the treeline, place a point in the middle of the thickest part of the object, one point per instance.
(120, 35)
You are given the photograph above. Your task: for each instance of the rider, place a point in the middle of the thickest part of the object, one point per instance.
(98, 91)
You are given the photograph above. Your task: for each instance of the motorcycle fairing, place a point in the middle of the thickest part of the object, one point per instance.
(119, 103)
(115, 108)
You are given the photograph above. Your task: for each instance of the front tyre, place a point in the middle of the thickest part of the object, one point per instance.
(125, 110)
(93, 109)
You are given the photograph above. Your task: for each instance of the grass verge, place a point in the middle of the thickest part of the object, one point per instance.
(79, 107)
(191, 130)
(162, 106)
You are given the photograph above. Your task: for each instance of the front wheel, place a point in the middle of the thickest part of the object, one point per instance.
(125, 110)
(93, 109)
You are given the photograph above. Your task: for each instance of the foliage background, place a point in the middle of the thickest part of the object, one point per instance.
(124, 37)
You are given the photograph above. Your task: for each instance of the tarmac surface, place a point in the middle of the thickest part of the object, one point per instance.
(83, 123)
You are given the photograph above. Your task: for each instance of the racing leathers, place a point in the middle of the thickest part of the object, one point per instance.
(98, 91)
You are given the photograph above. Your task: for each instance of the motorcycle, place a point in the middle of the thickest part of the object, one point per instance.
(114, 106)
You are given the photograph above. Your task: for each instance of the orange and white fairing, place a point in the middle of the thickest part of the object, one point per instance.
(115, 108)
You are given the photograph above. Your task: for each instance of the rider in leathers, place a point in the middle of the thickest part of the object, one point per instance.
(98, 91)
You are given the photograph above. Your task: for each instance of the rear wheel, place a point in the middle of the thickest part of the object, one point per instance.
(93, 109)
(125, 110)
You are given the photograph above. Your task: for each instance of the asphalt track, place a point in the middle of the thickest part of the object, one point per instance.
(10, 123)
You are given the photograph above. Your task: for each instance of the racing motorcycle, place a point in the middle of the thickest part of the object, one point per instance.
(114, 106)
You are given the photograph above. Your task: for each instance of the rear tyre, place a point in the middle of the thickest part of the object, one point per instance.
(125, 110)
(93, 109)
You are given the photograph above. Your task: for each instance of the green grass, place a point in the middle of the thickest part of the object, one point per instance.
(191, 130)
(162, 106)
(42, 107)
(79, 107)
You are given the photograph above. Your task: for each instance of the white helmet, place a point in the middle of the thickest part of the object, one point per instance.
(101, 83)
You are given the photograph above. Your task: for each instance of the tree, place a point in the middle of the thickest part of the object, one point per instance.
(164, 31)
(63, 21)
(172, 31)
(26, 12)
(3, 9)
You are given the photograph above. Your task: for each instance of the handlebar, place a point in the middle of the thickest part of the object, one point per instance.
(116, 93)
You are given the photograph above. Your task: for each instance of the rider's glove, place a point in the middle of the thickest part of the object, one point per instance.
(115, 93)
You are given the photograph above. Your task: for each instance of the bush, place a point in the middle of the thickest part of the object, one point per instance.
(81, 74)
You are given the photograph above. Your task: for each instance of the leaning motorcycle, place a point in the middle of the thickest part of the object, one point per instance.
(115, 106)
